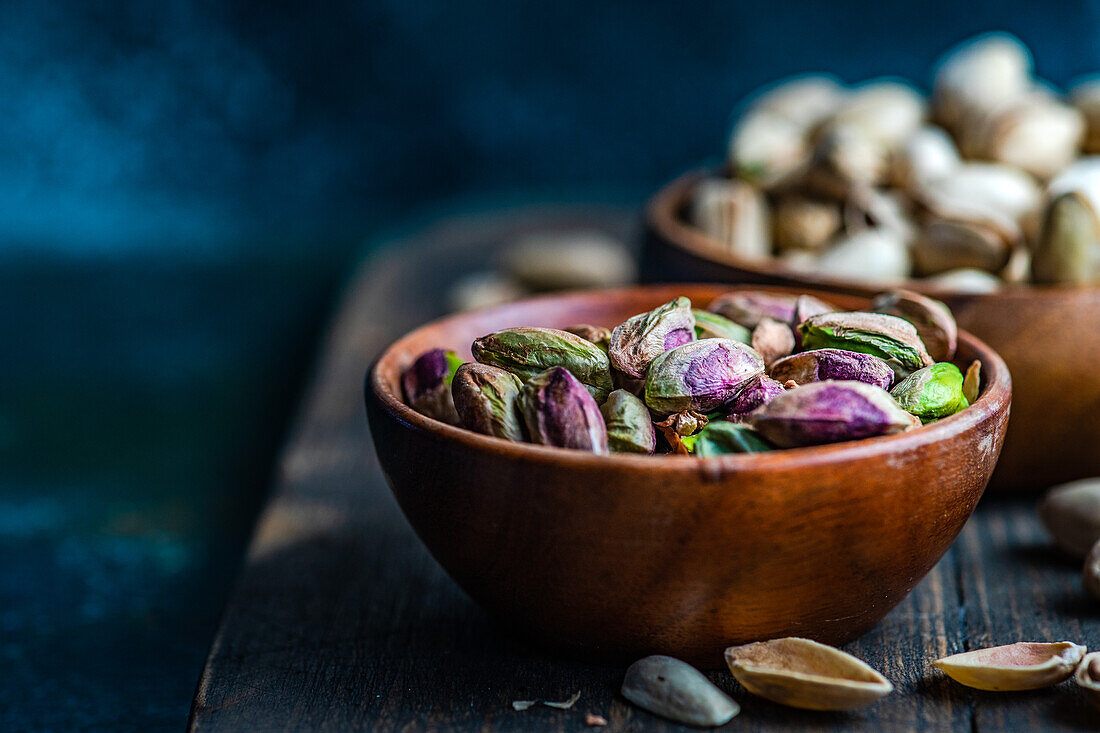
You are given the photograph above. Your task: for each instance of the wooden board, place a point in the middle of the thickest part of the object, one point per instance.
(341, 620)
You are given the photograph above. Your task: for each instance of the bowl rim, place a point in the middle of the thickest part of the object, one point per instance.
(994, 399)
(661, 216)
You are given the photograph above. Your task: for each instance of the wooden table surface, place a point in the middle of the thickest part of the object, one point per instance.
(341, 620)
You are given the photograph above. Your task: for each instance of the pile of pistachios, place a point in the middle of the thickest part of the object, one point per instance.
(754, 372)
(978, 187)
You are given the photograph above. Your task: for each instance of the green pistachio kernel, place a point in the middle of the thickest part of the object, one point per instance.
(932, 392)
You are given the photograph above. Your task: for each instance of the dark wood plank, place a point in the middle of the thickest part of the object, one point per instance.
(342, 620)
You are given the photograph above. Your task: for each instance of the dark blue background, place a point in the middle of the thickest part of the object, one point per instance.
(182, 188)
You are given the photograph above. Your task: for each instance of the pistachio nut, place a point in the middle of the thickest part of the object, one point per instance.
(1068, 250)
(1038, 135)
(990, 194)
(804, 100)
(935, 325)
(642, 338)
(877, 255)
(946, 244)
(700, 375)
(677, 691)
(932, 392)
(845, 159)
(749, 307)
(967, 280)
(1091, 574)
(427, 384)
(982, 74)
(713, 326)
(527, 351)
(486, 400)
(734, 214)
(830, 412)
(1071, 513)
(820, 365)
(759, 391)
(629, 426)
(559, 411)
(1087, 676)
(887, 337)
(889, 112)
(598, 335)
(928, 156)
(679, 426)
(1019, 666)
(800, 223)
(558, 260)
(806, 306)
(766, 148)
(773, 340)
(1085, 96)
(1017, 270)
(805, 674)
(723, 438)
(972, 381)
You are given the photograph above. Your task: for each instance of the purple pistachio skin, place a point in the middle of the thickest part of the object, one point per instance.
(820, 365)
(758, 392)
(426, 386)
(700, 375)
(749, 307)
(560, 411)
(830, 412)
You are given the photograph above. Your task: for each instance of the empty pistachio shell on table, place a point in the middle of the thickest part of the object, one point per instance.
(722, 438)
(890, 338)
(972, 381)
(559, 411)
(677, 691)
(932, 392)
(734, 214)
(773, 340)
(820, 365)
(598, 335)
(945, 245)
(749, 307)
(701, 375)
(765, 148)
(935, 325)
(967, 280)
(830, 412)
(759, 391)
(629, 425)
(713, 326)
(1087, 676)
(877, 255)
(981, 74)
(928, 156)
(640, 339)
(1020, 666)
(1071, 513)
(526, 351)
(1085, 96)
(888, 111)
(1090, 576)
(482, 290)
(805, 674)
(486, 400)
(569, 259)
(800, 223)
(427, 384)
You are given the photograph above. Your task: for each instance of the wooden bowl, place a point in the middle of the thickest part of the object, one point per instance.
(1045, 334)
(620, 556)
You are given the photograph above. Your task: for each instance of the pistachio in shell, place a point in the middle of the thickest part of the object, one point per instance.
(1068, 250)
(642, 338)
(722, 438)
(1087, 676)
(1091, 574)
(772, 340)
(734, 214)
(700, 375)
(759, 391)
(713, 326)
(427, 384)
(801, 223)
(749, 307)
(677, 691)
(1020, 666)
(951, 244)
(820, 365)
(932, 392)
(598, 335)
(766, 148)
(526, 351)
(486, 400)
(806, 674)
(935, 325)
(877, 254)
(890, 338)
(830, 412)
(629, 426)
(559, 411)
(1071, 513)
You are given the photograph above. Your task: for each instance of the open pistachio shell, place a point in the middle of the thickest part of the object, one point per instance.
(887, 337)
(1087, 676)
(677, 691)
(932, 392)
(700, 375)
(972, 381)
(560, 412)
(713, 326)
(642, 338)
(722, 438)
(1071, 513)
(629, 426)
(527, 351)
(935, 325)
(485, 397)
(805, 674)
(1020, 666)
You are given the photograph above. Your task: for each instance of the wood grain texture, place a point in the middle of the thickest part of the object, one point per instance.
(341, 620)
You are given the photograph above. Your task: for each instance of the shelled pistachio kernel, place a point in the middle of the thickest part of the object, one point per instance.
(890, 338)
(629, 425)
(701, 375)
(427, 384)
(559, 411)
(636, 342)
(486, 400)
(526, 351)
(932, 392)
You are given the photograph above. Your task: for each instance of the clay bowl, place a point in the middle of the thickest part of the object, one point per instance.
(1045, 334)
(620, 556)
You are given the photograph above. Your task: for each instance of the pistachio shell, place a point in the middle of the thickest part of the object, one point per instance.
(887, 337)
(486, 400)
(772, 340)
(947, 244)
(701, 375)
(713, 326)
(932, 392)
(642, 338)
(804, 100)
(724, 438)
(1068, 250)
(972, 382)
(677, 691)
(1037, 135)
(1087, 676)
(804, 224)
(846, 159)
(982, 192)
(569, 259)
(1091, 574)
(875, 255)
(427, 384)
(1020, 666)
(928, 156)
(759, 391)
(805, 674)
(629, 426)
(679, 426)
(1071, 513)
(888, 111)
(967, 281)
(1085, 96)
(598, 335)
(981, 74)
(935, 325)
(734, 214)
(749, 307)
(559, 411)
(527, 351)
(765, 147)
(820, 365)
